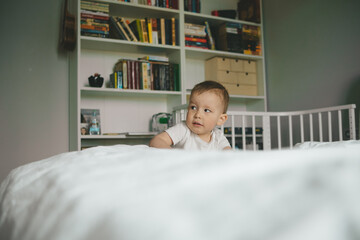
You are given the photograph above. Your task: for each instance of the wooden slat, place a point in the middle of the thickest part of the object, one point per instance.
(279, 132)
(329, 127)
(340, 125)
(233, 131)
(302, 128)
(290, 132)
(243, 133)
(253, 132)
(320, 128)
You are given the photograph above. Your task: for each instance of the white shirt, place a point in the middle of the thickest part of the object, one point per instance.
(183, 138)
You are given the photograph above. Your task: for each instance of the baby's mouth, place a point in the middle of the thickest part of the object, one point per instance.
(197, 124)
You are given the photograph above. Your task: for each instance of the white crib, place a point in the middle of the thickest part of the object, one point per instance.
(277, 130)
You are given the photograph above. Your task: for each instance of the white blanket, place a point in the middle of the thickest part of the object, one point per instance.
(141, 193)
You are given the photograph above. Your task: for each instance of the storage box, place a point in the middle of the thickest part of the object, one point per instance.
(237, 75)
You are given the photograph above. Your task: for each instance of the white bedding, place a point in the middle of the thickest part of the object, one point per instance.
(141, 193)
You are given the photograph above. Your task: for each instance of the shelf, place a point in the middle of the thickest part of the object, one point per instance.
(245, 97)
(129, 9)
(108, 44)
(213, 20)
(204, 54)
(126, 92)
(120, 136)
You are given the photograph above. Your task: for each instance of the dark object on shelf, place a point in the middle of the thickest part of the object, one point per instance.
(95, 80)
(224, 13)
(229, 37)
(249, 10)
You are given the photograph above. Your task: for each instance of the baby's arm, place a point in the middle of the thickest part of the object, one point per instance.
(227, 148)
(162, 140)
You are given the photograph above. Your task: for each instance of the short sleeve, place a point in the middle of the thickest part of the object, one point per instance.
(221, 139)
(177, 132)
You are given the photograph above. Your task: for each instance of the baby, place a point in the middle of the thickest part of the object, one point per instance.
(207, 109)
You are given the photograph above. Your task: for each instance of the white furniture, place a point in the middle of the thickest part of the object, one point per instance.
(285, 129)
(131, 110)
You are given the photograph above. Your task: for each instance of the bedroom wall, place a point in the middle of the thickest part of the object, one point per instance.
(312, 53)
(33, 84)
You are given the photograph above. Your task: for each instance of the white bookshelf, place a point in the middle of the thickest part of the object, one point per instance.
(131, 110)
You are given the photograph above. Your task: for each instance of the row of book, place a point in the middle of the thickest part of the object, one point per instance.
(148, 30)
(94, 19)
(199, 36)
(157, 3)
(240, 38)
(229, 36)
(146, 73)
(192, 5)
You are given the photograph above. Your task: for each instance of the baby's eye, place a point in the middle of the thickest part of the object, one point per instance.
(193, 107)
(207, 110)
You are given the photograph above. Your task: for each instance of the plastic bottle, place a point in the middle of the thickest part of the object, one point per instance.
(94, 127)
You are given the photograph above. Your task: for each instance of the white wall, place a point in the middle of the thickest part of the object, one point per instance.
(33, 83)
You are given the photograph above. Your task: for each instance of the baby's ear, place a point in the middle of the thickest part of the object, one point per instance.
(222, 119)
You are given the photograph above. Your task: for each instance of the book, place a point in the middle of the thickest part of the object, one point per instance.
(145, 71)
(211, 41)
(94, 31)
(155, 58)
(137, 75)
(112, 80)
(124, 28)
(144, 30)
(195, 39)
(229, 37)
(133, 27)
(129, 75)
(115, 31)
(155, 38)
(125, 77)
(120, 27)
(168, 35)
(139, 30)
(251, 40)
(128, 29)
(176, 69)
(149, 29)
(173, 32)
(162, 27)
(177, 40)
(93, 16)
(94, 19)
(119, 79)
(95, 27)
(194, 29)
(196, 44)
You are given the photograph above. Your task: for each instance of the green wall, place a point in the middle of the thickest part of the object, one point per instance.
(312, 51)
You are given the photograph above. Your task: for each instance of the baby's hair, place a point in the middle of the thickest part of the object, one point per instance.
(216, 87)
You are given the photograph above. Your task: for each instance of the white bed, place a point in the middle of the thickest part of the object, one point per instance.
(135, 193)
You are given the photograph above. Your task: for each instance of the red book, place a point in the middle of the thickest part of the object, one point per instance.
(203, 40)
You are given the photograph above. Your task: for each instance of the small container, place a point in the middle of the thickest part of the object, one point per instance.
(96, 80)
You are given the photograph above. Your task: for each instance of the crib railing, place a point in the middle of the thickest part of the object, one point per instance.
(322, 124)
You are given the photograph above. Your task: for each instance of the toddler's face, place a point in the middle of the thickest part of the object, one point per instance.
(205, 111)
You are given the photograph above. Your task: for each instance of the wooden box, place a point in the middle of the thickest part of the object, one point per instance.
(237, 75)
